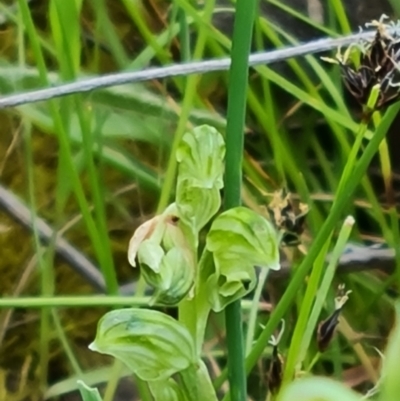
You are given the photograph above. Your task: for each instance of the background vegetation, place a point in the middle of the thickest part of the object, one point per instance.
(94, 166)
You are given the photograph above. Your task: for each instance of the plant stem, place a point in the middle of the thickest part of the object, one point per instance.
(238, 83)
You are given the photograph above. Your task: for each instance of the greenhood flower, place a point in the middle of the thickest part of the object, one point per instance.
(165, 257)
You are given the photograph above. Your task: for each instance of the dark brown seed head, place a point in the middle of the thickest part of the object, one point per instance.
(378, 63)
(275, 371)
(326, 329)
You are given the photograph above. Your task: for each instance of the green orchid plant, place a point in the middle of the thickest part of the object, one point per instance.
(198, 276)
(200, 260)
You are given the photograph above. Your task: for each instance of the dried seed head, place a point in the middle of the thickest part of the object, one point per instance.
(326, 329)
(378, 64)
(288, 217)
(275, 371)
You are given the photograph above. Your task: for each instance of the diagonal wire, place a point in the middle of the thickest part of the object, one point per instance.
(199, 67)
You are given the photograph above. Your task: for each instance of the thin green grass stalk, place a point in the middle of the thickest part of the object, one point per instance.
(340, 12)
(316, 217)
(357, 144)
(324, 287)
(378, 290)
(280, 150)
(107, 30)
(301, 74)
(253, 175)
(237, 90)
(45, 267)
(394, 220)
(65, 147)
(301, 17)
(164, 39)
(251, 325)
(387, 174)
(327, 83)
(69, 56)
(187, 104)
(136, 14)
(82, 302)
(326, 166)
(21, 40)
(16, 19)
(113, 380)
(73, 301)
(65, 343)
(184, 35)
(303, 315)
(98, 196)
(305, 97)
(337, 208)
(178, 19)
(336, 350)
(270, 111)
(366, 183)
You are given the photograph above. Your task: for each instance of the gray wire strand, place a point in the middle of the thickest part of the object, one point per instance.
(21, 213)
(199, 67)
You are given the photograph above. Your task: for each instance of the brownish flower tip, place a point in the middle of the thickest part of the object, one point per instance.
(326, 329)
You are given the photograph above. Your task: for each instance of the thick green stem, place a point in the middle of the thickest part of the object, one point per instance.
(238, 83)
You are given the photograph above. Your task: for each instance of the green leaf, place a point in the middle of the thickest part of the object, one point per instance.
(64, 18)
(200, 176)
(153, 345)
(88, 393)
(239, 240)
